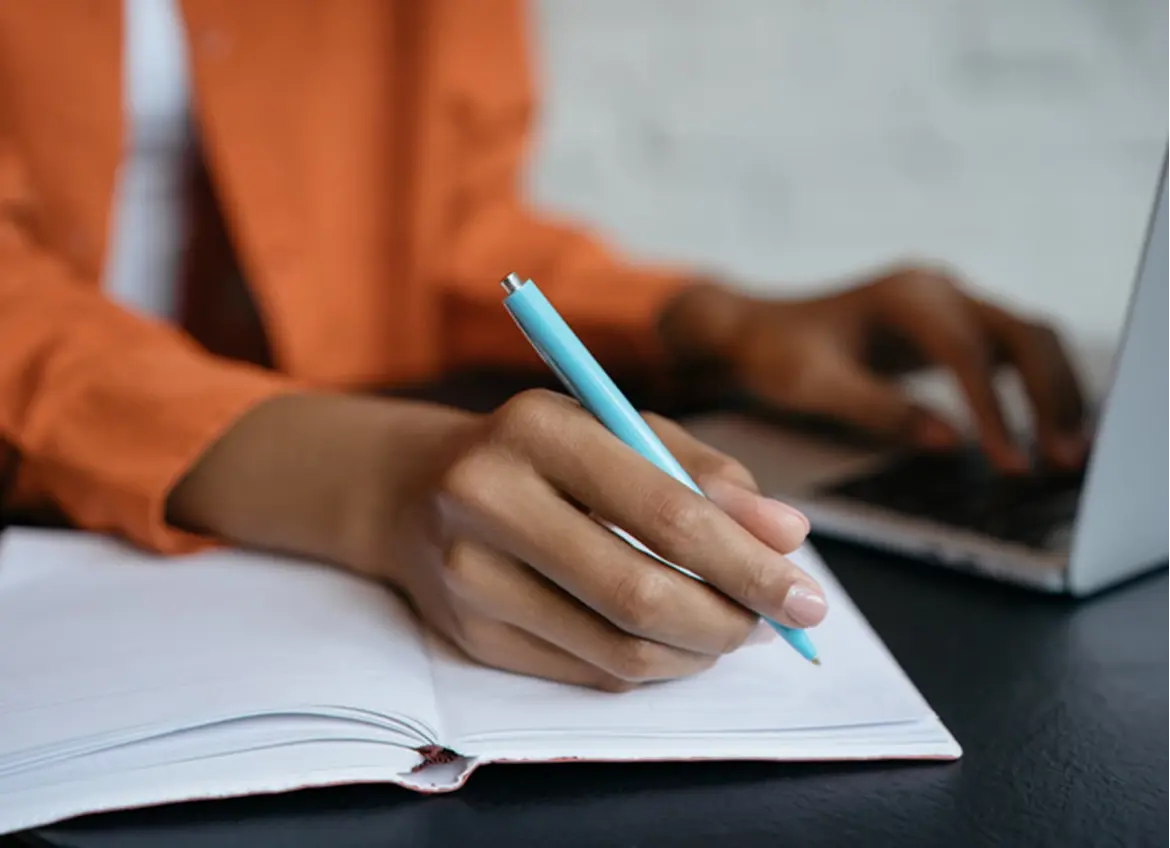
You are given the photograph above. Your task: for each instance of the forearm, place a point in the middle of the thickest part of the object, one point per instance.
(314, 475)
(103, 408)
(294, 473)
(702, 323)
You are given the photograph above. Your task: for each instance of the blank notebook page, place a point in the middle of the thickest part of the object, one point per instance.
(115, 643)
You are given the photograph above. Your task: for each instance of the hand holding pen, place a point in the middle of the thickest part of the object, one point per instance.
(509, 565)
(485, 524)
(584, 378)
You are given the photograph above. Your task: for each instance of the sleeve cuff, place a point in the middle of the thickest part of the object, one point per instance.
(111, 449)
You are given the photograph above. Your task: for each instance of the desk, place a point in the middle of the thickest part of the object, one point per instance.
(1060, 706)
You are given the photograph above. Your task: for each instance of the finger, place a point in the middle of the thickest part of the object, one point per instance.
(698, 458)
(1046, 371)
(733, 488)
(779, 526)
(840, 387)
(937, 317)
(498, 587)
(503, 646)
(579, 457)
(525, 516)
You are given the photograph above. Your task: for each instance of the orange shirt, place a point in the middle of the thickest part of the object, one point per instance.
(367, 154)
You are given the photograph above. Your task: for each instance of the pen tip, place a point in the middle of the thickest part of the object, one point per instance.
(815, 661)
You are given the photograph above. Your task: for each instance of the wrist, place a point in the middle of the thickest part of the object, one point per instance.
(703, 324)
(317, 476)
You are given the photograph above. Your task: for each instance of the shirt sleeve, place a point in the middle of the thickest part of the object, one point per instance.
(610, 302)
(105, 411)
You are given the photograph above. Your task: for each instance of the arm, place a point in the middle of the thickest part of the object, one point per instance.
(104, 409)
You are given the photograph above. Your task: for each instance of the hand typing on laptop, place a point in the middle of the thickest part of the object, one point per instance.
(835, 356)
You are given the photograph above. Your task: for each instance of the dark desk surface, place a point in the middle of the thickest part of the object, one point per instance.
(1061, 708)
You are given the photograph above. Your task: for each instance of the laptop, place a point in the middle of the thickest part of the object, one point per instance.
(1073, 533)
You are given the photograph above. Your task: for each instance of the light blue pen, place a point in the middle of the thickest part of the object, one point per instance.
(585, 379)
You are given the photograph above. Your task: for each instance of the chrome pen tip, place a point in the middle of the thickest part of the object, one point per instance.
(815, 661)
(510, 283)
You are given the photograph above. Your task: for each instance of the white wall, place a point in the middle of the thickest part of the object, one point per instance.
(804, 140)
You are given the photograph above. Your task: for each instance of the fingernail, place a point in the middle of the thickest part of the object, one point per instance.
(805, 606)
(792, 520)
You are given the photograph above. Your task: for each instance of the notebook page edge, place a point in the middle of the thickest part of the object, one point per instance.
(927, 738)
(255, 773)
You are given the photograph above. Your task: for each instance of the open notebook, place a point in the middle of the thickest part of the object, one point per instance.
(127, 680)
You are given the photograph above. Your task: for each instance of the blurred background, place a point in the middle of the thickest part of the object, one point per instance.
(793, 142)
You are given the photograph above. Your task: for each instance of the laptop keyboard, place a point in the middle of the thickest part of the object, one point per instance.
(963, 490)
